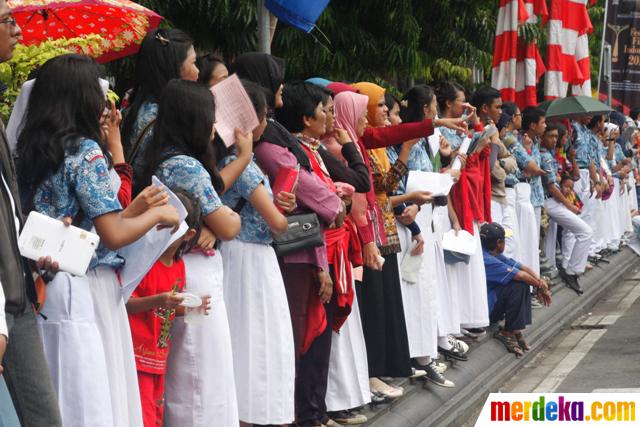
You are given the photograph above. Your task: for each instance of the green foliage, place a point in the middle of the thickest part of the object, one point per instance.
(26, 59)
(390, 42)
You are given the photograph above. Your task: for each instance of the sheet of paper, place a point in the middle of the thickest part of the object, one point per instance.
(173, 199)
(463, 243)
(233, 109)
(438, 184)
(434, 141)
(143, 253)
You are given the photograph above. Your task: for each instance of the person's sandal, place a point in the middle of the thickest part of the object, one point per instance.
(510, 343)
(522, 343)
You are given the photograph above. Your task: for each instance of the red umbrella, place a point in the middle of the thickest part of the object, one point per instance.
(122, 24)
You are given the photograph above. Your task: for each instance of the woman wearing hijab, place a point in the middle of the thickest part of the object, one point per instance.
(382, 309)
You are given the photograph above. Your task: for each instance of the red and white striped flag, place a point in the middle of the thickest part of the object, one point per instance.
(530, 67)
(517, 66)
(568, 49)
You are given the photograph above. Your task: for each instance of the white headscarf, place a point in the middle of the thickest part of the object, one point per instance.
(20, 110)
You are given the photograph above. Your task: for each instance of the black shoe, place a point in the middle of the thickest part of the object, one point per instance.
(452, 353)
(573, 284)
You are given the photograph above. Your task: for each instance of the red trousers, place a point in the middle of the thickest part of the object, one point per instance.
(152, 398)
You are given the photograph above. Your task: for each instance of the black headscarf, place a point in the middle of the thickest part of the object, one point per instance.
(263, 69)
(268, 71)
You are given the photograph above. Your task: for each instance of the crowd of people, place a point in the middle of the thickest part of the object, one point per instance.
(308, 334)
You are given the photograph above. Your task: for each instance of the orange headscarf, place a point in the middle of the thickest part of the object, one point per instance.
(374, 92)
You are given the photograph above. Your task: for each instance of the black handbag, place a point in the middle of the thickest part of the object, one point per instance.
(304, 232)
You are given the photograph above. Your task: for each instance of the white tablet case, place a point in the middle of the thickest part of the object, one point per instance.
(71, 247)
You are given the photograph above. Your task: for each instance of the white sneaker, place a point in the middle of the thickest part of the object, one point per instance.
(439, 367)
(459, 345)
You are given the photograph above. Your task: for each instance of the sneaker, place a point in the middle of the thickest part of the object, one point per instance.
(332, 423)
(461, 346)
(348, 418)
(439, 366)
(437, 378)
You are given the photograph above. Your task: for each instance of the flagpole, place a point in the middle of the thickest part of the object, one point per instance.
(604, 32)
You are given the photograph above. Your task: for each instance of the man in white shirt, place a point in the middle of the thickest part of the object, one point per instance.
(22, 361)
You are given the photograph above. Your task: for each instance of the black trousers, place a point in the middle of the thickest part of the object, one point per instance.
(513, 305)
(312, 367)
(383, 322)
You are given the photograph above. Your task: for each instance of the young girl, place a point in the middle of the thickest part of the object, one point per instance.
(64, 172)
(152, 308)
(259, 319)
(200, 385)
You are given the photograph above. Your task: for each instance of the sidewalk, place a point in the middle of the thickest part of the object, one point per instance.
(489, 364)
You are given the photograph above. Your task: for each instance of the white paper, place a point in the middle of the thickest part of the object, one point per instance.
(173, 199)
(143, 253)
(71, 247)
(438, 184)
(463, 243)
(434, 141)
(464, 147)
(233, 109)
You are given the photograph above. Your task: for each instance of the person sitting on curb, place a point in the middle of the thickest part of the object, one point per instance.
(508, 292)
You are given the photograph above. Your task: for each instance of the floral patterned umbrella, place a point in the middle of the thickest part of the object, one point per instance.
(121, 24)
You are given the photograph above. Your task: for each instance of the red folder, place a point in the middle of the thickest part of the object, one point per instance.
(286, 180)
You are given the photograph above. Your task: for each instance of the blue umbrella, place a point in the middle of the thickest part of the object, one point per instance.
(301, 14)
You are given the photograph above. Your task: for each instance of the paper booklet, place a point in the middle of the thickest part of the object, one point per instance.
(144, 252)
(234, 109)
(71, 247)
(438, 184)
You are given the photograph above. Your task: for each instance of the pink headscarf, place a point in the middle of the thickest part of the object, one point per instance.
(349, 107)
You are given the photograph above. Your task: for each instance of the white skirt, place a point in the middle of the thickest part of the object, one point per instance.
(474, 308)
(528, 228)
(75, 354)
(261, 334)
(348, 382)
(420, 300)
(113, 324)
(200, 386)
(448, 287)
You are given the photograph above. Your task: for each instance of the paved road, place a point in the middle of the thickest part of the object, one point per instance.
(599, 352)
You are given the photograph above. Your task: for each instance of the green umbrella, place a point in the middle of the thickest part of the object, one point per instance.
(573, 106)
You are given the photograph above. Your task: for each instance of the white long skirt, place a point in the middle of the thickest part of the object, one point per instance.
(529, 230)
(113, 324)
(348, 383)
(420, 300)
(200, 387)
(474, 308)
(261, 334)
(449, 307)
(75, 354)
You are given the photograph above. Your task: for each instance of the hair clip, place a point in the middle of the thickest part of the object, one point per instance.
(404, 103)
(163, 40)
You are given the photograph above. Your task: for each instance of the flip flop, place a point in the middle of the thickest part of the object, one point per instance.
(522, 342)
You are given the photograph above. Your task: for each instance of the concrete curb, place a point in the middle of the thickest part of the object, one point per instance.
(489, 364)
